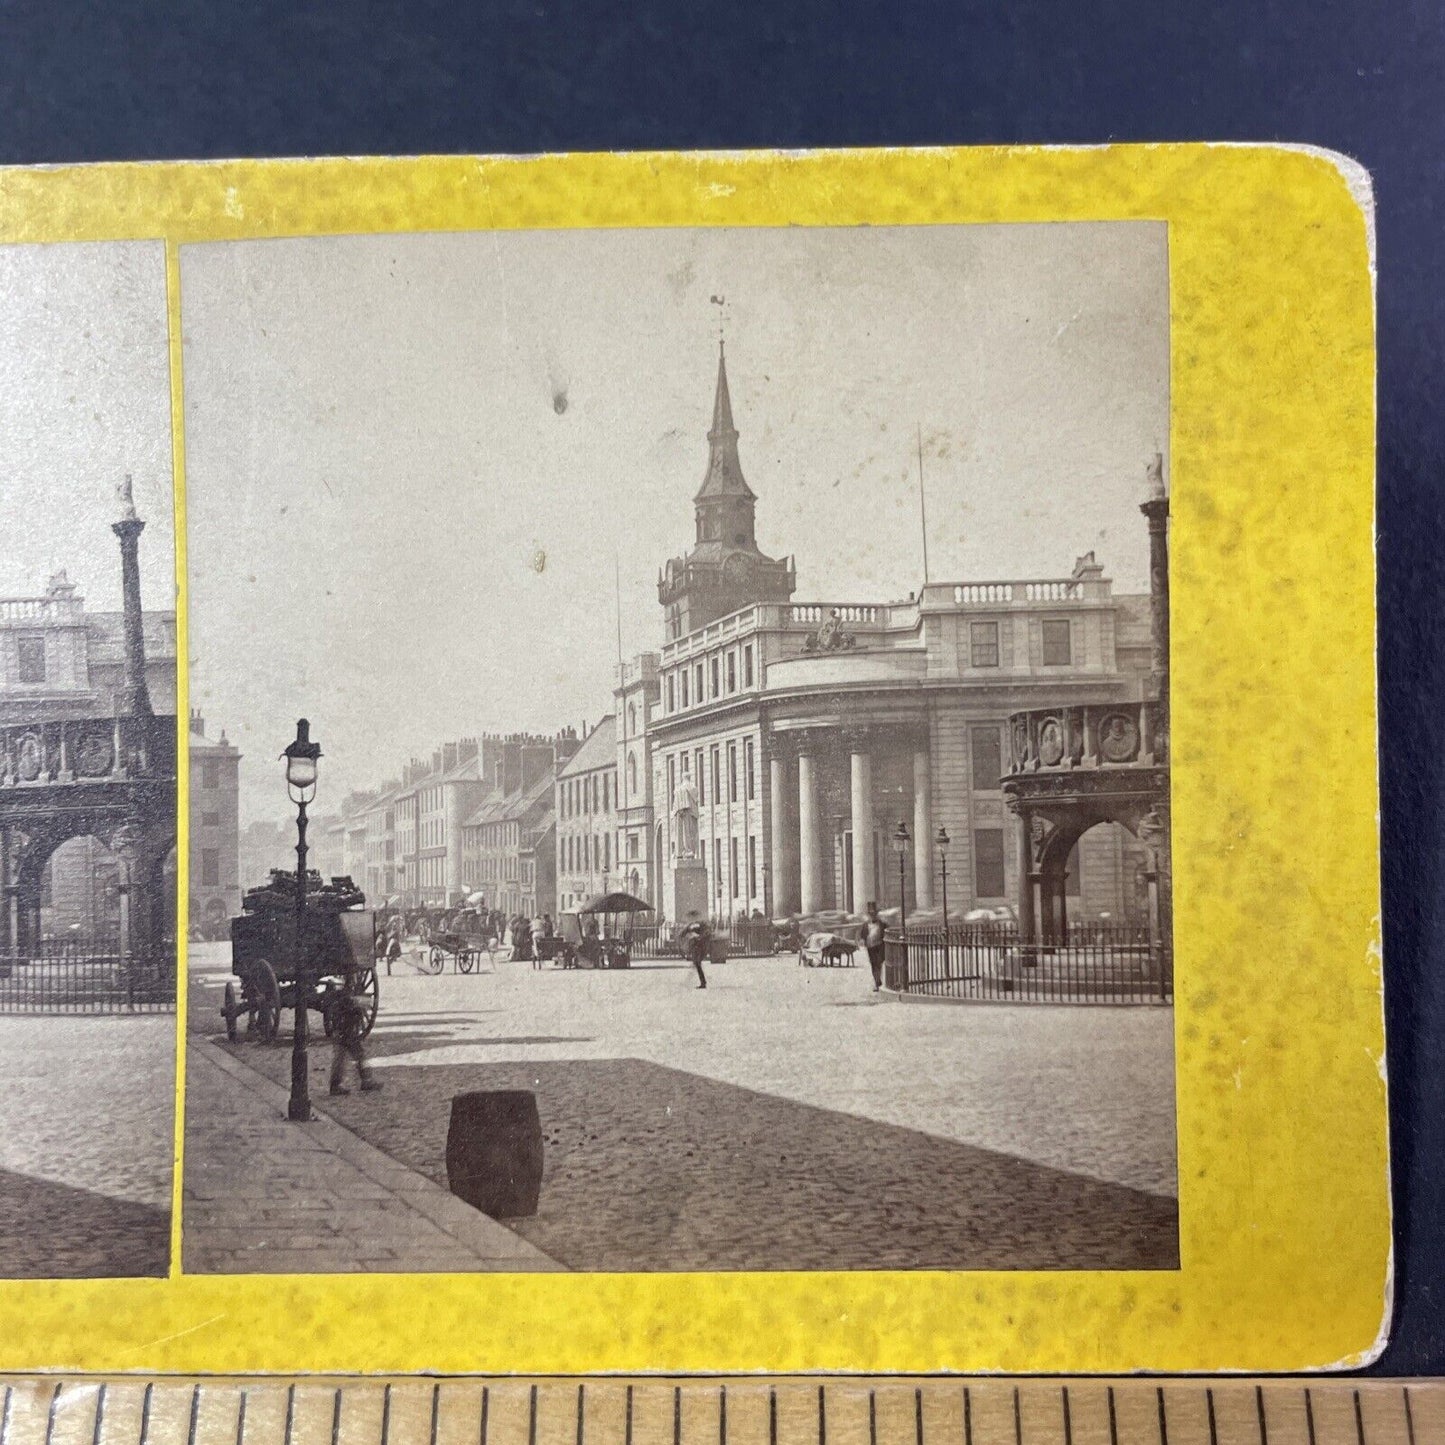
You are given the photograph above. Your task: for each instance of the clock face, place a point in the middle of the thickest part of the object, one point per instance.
(738, 569)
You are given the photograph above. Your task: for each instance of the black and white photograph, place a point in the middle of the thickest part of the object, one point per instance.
(88, 822)
(679, 751)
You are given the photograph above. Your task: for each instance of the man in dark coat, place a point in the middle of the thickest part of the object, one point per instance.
(696, 945)
(873, 942)
(348, 1035)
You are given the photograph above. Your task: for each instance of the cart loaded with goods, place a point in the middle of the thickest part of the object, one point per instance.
(275, 970)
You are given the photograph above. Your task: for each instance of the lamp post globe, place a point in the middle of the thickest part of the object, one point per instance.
(301, 757)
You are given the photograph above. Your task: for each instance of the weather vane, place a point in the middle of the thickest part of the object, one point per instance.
(721, 303)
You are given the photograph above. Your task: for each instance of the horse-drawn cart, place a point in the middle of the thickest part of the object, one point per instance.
(468, 937)
(338, 939)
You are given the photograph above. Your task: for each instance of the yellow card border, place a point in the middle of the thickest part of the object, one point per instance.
(1283, 1162)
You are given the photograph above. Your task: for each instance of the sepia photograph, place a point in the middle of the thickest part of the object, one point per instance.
(679, 751)
(88, 821)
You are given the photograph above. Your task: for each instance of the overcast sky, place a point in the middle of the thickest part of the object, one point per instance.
(412, 459)
(84, 399)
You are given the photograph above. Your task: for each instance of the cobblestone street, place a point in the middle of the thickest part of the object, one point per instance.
(782, 1119)
(86, 1145)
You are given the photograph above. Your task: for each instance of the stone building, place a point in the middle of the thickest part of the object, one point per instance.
(88, 768)
(431, 808)
(215, 832)
(806, 733)
(637, 696)
(506, 847)
(586, 806)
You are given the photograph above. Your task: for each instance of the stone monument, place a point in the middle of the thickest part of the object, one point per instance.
(687, 896)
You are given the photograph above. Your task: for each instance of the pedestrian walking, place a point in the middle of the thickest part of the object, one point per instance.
(696, 941)
(393, 944)
(873, 941)
(348, 1038)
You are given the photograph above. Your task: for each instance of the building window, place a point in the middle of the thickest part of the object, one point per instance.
(671, 782)
(716, 775)
(752, 867)
(1058, 651)
(671, 692)
(713, 670)
(210, 774)
(210, 820)
(988, 879)
(717, 867)
(748, 665)
(701, 781)
(210, 868)
(732, 772)
(732, 672)
(632, 845)
(986, 746)
(733, 860)
(749, 767)
(697, 680)
(684, 687)
(606, 852)
(983, 644)
(30, 655)
(632, 775)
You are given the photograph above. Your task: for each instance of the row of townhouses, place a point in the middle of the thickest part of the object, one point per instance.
(769, 749)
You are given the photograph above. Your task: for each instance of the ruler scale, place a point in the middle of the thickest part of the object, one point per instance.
(736, 1411)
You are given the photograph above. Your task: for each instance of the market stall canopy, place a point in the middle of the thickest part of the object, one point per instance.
(615, 903)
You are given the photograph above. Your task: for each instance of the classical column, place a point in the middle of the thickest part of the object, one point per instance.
(810, 842)
(1028, 927)
(922, 830)
(862, 807)
(1156, 509)
(135, 698)
(784, 852)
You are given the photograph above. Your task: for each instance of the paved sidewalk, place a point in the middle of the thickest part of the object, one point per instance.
(86, 1109)
(264, 1196)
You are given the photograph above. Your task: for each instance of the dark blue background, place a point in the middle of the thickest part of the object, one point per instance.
(128, 80)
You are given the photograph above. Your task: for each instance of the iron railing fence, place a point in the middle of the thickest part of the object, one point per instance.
(66, 976)
(742, 936)
(1101, 963)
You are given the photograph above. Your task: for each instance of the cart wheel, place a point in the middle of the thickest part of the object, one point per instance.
(231, 1011)
(436, 960)
(466, 961)
(369, 991)
(267, 1014)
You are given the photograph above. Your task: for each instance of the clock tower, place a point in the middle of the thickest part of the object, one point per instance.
(724, 571)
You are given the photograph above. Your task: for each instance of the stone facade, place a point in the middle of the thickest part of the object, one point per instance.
(216, 884)
(586, 806)
(811, 731)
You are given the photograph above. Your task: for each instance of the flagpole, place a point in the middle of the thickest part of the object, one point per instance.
(922, 505)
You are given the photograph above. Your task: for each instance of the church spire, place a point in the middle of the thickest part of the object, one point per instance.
(724, 471)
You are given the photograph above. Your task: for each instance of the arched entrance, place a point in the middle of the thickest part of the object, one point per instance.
(81, 884)
(1071, 770)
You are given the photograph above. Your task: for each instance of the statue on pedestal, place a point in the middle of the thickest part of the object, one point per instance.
(684, 821)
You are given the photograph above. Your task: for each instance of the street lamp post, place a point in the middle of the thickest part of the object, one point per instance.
(301, 756)
(900, 843)
(943, 840)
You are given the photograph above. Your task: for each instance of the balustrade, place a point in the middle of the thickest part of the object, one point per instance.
(40, 609)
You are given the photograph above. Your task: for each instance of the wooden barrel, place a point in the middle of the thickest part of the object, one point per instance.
(494, 1152)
